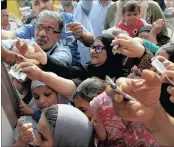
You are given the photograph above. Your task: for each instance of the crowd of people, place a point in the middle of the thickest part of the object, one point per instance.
(66, 99)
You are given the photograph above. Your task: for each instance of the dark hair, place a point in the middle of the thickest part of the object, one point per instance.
(169, 48)
(50, 114)
(89, 88)
(130, 6)
(144, 29)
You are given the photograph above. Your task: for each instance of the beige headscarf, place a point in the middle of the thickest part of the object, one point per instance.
(143, 10)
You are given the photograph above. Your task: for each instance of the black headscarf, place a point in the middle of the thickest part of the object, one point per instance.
(114, 63)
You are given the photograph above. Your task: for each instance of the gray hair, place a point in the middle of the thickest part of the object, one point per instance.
(54, 15)
(50, 114)
(90, 88)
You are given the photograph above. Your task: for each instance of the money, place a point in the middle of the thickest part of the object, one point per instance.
(161, 68)
(17, 74)
(22, 119)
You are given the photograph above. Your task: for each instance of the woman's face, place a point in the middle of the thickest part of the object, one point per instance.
(44, 138)
(98, 53)
(84, 106)
(45, 96)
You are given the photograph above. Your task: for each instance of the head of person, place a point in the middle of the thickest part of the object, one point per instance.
(63, 125)
(101, 50)
(48, 29)
(131, 12)
(120, 3)
(66, 3)
(41, 5)
(102, 58)
(43, 95)
(4, 17)
(85, 92)
(144, 31)
(167, 51)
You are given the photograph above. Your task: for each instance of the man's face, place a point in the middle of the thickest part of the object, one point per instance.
(4, 17)
(47, 32)
(40, 5)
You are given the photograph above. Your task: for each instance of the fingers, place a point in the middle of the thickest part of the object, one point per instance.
(170, 90)
(160, 58)
(24, 64)
(151, 77)
(25, 127)
(114, 95)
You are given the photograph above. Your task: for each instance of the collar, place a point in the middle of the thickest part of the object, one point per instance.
(52, 49)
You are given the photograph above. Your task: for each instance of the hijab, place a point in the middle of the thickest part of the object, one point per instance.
(73, 129)
(61, 99)
(114, 63)
(144, 29)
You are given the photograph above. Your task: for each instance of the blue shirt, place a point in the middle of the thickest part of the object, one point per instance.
(81, 12)
(97, 16)
(67, 39)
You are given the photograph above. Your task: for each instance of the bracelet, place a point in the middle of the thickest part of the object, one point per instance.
(152, 47)
(145, 60)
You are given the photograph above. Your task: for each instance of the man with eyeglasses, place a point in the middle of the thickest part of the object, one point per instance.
(67, 39)
(48, 29)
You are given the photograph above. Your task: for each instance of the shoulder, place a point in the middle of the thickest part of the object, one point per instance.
(113, 6)
(153, 4)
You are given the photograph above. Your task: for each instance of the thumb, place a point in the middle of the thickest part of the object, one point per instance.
(37, 47)
(151, 78)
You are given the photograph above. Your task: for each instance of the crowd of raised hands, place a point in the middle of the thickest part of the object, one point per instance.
(146, 90)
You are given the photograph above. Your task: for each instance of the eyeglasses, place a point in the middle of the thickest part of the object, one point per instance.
(98, 48)
(48, 29)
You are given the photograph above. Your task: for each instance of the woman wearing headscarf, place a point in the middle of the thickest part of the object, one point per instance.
(103, 61)
(61, 126)
(43, 97)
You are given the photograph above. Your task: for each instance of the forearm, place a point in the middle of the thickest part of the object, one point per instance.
(19, 143)
(62, 70)
(162, 128)
(87, 38)
(61, 85)
(8, 56)
(7, 35)
(152, 37)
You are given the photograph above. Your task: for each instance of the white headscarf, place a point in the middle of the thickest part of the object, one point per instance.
(73, 129)
(120, 3)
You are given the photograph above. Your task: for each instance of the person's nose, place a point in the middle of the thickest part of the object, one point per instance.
(42, 5)
(43, 32)
(92, 50)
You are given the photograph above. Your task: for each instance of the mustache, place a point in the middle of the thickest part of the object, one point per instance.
(41, 39)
